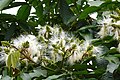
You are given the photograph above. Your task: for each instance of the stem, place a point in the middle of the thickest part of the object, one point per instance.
(62, 62)
(47, 68)
(27, 57)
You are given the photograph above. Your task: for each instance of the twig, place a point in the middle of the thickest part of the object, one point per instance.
(27, 57)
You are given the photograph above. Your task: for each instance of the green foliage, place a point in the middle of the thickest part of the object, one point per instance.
(65, 12)
(73, 16)
(13, 59)
(23, 12)
(4, 3)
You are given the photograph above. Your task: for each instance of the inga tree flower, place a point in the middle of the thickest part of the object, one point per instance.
(62, 45)
(34, 46)
(110, 26)
(106, 28)
(53, 44)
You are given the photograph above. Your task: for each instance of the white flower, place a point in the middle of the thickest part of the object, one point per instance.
(75, 57)
(85, 45)
(106, 14)
(62, 39)
(116, 23)
(106, 21)
(34, 46)
(79, 51)
(61, 42)
(55, 56)
(44, 32)
(106, 31)
(110, 31)
(54, 39)
(110, 26)
(63, 35)
(67, 46)
(106, 28)
(35, 59)
(116, 34)
(72, 59)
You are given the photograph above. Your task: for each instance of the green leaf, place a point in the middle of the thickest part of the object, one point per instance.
(13, 59)
(16, 55)
(23, 12)
(87, 11)
(86, 28)
(72, 19)
(111, 52)
(113, 63)
(38, 73)
(25, 27)
(5, 43)
(111, 67)
(19, 78)
(25, 76)
(117, 55)
(10, 31)
(4, 3)
(112, 59)
(39, 10)
(98, 71)
(80, 72)
(109, 5)
(107, 41)
(101, 63)
(90, 79)
(5, 72)
(6, 78)
(79, 66)
(107, 76)
(8, 62)
(7, 17)
(54, 77)
(65, 12)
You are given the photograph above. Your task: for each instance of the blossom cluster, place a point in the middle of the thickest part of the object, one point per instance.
(63, 45)
(110, 25)
(53, 44)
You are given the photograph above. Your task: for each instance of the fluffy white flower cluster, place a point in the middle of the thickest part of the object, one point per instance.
(62, 45)
(110, 26)
(33, 48)
(54, 44)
